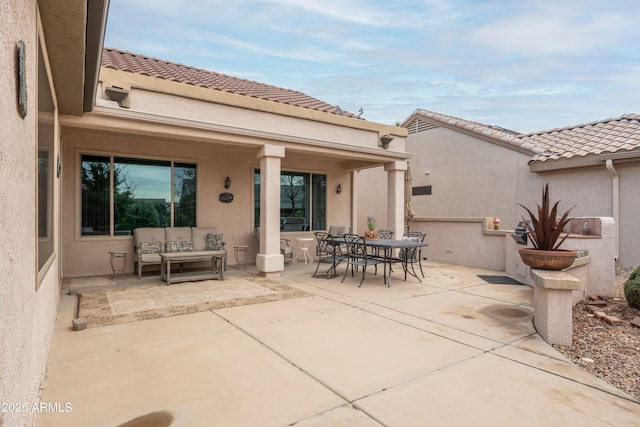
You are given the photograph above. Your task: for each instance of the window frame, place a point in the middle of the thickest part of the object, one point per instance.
(255, 211)
(112, 156)
(51, 237)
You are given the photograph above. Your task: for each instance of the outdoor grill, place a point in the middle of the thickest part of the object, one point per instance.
(520, 233)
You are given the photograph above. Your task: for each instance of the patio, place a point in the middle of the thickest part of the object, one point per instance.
(454, 350)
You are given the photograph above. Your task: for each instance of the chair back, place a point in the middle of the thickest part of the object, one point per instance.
(323, 247)
(356, 245)
(413, 254)
(385, 234)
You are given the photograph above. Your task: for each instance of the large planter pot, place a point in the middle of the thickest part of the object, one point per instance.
(547, 260)
(370, 234)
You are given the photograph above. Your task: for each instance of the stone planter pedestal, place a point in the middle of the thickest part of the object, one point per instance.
(553, 305)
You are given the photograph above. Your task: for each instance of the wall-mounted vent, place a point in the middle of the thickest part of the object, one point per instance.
(417, 125)
(421, 191)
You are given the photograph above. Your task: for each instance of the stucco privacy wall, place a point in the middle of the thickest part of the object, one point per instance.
(26, 316)
(85, 256)
(469, 177)
(591, 190)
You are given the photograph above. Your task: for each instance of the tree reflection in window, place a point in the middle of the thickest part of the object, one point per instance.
(142, 194)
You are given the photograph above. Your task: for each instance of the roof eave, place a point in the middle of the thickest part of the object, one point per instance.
(549, 165)
(74, 32)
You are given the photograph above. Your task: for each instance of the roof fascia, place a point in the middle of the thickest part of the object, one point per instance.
(97, 12)
(538, 166)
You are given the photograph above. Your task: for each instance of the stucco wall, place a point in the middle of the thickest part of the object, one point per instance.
(591, 190)
(471, 178)
(27, 316)
(87, 256)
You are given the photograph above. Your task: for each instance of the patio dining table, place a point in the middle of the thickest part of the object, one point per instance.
(388, 246)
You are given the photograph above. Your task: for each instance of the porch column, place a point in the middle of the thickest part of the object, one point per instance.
(270, 262)
(395, 196)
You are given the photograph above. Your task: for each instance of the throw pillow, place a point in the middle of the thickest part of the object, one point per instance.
(179, 246)
(150, 247)
(214, 242)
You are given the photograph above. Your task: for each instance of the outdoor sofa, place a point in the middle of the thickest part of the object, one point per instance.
(151, 242)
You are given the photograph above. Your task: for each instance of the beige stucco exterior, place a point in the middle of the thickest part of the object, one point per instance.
(473, 177)
(226, 135)
(29, 296)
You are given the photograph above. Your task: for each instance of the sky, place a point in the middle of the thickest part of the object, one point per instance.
(525, 65)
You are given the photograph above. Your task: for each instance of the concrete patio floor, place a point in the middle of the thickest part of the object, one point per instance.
(453, 350)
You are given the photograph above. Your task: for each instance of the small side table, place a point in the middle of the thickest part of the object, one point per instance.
(303, 245)
(112, 257)
(241, 254)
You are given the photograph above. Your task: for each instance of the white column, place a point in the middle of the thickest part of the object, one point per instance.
(270, 261)
(395, 196)
(354, 202)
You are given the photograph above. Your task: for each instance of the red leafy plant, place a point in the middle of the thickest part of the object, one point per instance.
(545, 229)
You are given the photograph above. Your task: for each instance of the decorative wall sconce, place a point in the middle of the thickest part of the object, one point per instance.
(386, 140)
(339, 189)
(227, 183)
(117, 94)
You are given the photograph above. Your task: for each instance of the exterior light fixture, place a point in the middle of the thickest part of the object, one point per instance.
(385, 140)
(339, 189)
(227, 183)
(117, 94)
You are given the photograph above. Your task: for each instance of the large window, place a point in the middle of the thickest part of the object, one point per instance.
(302, 201)
(139, 192)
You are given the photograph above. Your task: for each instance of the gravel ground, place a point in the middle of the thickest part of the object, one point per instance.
(612, 353)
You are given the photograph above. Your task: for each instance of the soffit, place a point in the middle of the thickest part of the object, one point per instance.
(67, 35)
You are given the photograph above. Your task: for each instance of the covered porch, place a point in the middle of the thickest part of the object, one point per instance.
(223, 160)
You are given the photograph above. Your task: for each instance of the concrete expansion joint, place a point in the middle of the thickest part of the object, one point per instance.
(282, 356)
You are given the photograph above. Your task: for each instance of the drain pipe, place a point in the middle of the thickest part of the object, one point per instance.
(616, 202)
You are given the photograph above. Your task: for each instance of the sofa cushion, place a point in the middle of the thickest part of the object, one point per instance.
(199, 237)
(149, 234)
(179, 246)
(149, 258)
(150, 247)
(214, 242)
(178, 234)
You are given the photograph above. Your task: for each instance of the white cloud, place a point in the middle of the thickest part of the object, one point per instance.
(516, 64)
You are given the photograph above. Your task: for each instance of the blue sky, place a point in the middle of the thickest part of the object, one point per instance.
(525, 65)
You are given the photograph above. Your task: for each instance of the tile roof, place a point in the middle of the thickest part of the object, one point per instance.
(604, 136)
(612, 135)
(502, 135)
(153, 67)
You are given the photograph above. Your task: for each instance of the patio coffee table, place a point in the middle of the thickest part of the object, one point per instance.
(216, 258)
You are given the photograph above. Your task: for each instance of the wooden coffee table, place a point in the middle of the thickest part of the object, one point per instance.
(216, 258)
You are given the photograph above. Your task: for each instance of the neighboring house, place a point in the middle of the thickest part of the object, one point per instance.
(92, 149)
(465, 171)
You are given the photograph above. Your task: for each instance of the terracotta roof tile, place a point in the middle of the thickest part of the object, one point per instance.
(603, 136)
(594, 138)
(153, 67)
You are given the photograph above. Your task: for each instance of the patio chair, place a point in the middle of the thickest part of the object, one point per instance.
(329, 252)
(359, 256)
(413, 255)
(285, 245)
